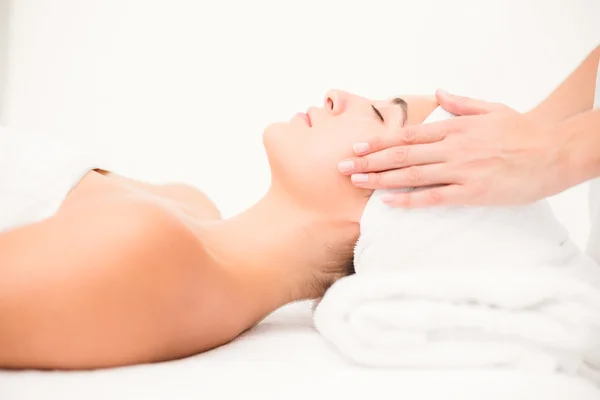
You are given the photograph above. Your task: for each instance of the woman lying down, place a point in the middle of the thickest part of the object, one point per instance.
(99, 270)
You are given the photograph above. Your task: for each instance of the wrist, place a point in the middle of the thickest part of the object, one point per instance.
(556, 161)
(580, 147)
(539, 114)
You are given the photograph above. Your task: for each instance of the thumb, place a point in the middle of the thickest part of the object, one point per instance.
(460, 105)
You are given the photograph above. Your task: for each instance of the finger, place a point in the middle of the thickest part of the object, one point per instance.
(440, 196)
(417, 176)
(460, 105)
(395, 157)
(411, 135)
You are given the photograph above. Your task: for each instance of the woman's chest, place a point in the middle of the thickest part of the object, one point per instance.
(99, 186)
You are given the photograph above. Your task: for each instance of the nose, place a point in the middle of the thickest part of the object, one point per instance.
(335, 101)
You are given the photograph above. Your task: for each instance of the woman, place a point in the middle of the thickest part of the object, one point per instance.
(126, 272)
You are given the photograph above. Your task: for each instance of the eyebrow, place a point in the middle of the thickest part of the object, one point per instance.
(398, 101)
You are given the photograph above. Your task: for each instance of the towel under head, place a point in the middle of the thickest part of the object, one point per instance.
(480, 237)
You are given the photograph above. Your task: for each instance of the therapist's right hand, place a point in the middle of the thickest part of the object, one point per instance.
(489, 156)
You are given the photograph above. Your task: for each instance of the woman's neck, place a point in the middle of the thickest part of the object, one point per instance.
(272, 249)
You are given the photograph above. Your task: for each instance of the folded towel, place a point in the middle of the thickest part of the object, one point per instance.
(466, 287)
(37, 172)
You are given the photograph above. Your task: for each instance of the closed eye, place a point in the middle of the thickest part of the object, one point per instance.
(378, 113)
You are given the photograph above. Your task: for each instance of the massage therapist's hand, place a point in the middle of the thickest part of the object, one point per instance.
(491, 156)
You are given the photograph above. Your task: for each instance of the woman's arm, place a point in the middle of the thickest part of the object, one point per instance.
(569, 108)
(580, 152)
(574, 95)
(121, 285)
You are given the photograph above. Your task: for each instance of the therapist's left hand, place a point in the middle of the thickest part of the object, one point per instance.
(491, 156)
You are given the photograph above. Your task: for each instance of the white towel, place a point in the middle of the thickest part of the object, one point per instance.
(466, 287)
(37, 172)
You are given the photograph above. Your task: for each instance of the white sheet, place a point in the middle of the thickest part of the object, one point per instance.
(285, 358)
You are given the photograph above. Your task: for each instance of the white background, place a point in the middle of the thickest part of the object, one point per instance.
(181, 90)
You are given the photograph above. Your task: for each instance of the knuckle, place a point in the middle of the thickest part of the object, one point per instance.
(478, 188)
(434, 197)
(361, 164)
(413, 175)
(409, 135)
(399, 155)
(374, 179)
(453, 148)
(376, 144)
(459, 126)
(386, 180)
(406, 200)
(483, 190)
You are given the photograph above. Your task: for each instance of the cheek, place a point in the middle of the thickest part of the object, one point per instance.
(304, 162)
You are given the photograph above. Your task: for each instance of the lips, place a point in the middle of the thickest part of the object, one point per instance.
(306, 118)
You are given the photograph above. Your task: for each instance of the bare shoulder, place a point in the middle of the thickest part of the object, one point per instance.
(137, 226)
(128, 281)
(119, 233)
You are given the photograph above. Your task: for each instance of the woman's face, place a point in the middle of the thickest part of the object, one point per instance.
(304, 152)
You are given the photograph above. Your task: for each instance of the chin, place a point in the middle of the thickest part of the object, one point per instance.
(276, 137)
(273, 144)
(272, 131)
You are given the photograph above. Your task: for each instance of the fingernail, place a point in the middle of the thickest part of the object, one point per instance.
(361, 148)
(442, 91)
(387, 198)
(359, 178)
(346, 166)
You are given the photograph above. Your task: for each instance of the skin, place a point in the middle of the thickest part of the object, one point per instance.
(490, 155)
(128, 272)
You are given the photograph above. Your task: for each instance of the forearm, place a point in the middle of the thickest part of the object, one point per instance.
(575, 95)
(581, 153)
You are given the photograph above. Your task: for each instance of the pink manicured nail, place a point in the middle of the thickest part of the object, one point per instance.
(361, 148)
(359, 178)
(346, 166)
(442, 91)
